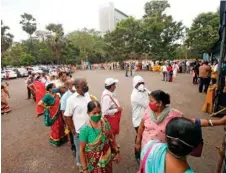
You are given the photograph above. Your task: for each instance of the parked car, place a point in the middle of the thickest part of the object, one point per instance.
(12, 74)
(22, 72)
(36, 70)
(3, 74)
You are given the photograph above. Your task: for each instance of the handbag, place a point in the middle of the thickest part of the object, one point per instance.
(197, 152)
(114, 120)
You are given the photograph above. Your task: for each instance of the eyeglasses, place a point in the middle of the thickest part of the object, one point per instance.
(177, 139)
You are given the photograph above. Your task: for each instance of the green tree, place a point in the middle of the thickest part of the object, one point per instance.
(28, 23)
(160, 31)
(6, 38)
(26, 59)
(203, 32)
(89, 43)
(12, 56)
(56, 40)
(125, 40)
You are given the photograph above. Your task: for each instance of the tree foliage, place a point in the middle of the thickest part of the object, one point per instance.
(155, 36)
(89, 43)
(204, 32)
(6, 38)
(28, 23)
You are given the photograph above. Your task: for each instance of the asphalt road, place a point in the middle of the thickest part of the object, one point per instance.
(25, 145)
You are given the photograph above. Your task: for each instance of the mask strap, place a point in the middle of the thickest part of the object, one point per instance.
(177, 139)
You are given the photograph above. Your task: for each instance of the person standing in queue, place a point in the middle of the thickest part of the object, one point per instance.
(76, 113)
(63, 103)
(111, 109)
(98, 147)
(139, 102)
(204, 75)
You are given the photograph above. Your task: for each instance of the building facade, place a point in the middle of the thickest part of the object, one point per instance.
(109, 16)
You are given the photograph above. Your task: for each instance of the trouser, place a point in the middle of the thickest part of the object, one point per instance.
(204, 82)
(164, 76)
(28, 92)
(188, 69)
(131, 72)
(72, 141)
(137, 154)
(77, 146)
(126, 73)
(195, 79)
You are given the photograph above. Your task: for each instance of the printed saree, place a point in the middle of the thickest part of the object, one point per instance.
(99, 152)
(54, 115)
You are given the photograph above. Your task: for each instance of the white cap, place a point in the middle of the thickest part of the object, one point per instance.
(136, 80)
(110, 81)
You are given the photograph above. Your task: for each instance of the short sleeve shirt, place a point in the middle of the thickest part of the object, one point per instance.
(77, 108)
(154, 131)
(63, 100)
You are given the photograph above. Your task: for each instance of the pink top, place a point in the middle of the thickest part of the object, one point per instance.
(154, 131)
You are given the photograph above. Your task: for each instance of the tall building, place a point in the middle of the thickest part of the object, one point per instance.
(109, 16)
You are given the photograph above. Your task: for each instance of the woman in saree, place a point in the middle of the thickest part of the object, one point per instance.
(39, 90)
(208, 105)
(51, 103)
(5, 108)
(182, 136)
(98, 147)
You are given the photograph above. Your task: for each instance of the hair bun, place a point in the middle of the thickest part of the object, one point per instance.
(167, 99)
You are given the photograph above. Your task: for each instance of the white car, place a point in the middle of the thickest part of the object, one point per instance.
(23, 72)
(12, 74)
(36, 70)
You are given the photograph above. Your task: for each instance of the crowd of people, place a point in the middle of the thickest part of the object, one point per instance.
(164, 136)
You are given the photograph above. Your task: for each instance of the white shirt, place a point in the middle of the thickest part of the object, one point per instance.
(108, 106)
(215, 68)
(139, 101)
(164, 68)
(77, 108)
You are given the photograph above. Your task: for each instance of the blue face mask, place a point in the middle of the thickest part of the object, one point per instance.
(54, 90)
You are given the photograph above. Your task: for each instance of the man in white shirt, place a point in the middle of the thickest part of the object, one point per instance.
(164, 72)
(139, 102)
(76, 113)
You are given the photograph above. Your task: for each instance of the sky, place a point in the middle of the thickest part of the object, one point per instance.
(77, 14)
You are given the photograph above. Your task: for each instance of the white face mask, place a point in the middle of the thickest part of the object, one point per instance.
(141, 87)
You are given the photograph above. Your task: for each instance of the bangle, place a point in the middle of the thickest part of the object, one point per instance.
(210, 123)
(85, 169)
